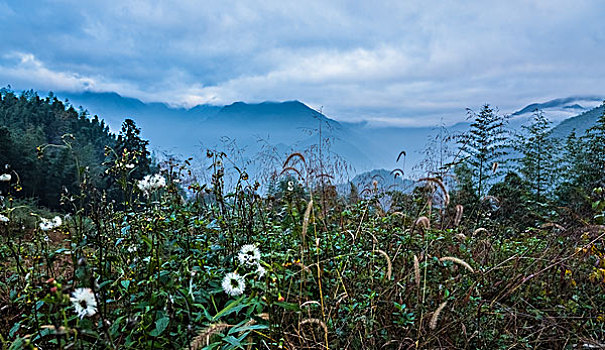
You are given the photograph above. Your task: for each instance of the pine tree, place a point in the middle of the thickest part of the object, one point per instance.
(483, 146)
(538, 149)
(130, 140)
(591, 172)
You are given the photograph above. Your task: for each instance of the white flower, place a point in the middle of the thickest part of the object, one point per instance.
(57, 221)
(129, 166)
(290, 186)
(233, 284)
(132, 249)
(84, 302)
(46, 225)
(249, 255)
(151, 183)
(260, 271)
(5, 177)
(3, 218)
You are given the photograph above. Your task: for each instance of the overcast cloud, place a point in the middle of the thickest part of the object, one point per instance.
(393, 62)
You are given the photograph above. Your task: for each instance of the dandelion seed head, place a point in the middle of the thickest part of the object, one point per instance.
(84, 303)
(233, 284)
(249, 255)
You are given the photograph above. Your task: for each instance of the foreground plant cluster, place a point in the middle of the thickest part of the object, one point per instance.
(137, 254)
(300, 268)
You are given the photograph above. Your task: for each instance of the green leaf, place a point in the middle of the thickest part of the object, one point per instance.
(14, 329)
(232, 307)
(125, 284)
(160, 326)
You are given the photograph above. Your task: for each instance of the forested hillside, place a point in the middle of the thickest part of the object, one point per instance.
(48, 145)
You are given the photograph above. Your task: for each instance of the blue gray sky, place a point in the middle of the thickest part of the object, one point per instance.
(388, 62)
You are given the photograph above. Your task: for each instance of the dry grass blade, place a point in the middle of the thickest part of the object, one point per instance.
(291, 169)
(402, 153)
(397, 172)
(446, 195)
(435, 318)
(552, 224)
(296, 154)
(479, 230)
(317, 322)
(461, 236)
(305, 224)
(458, 261)
(424, 222)
(203, 337)
(389, 264)
(417, 270)
(459, 212)
(310, 302)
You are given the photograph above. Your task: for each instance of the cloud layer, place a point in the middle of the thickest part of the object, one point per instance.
(405, 63)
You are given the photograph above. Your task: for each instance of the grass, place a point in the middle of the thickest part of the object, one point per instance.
(340, 274)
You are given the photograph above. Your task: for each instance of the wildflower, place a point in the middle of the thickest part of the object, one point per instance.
(57, 221)
(5, 177)
(233, 284)
(46, 225)
(151, 183)
(3, 218)
(260, 271)
(84, 302)
(249, 255)
(132, 249)
(129, 166)
(290, 186)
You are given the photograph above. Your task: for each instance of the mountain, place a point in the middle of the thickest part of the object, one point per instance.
(572, 104)
(291, 126)
(579, 123)
(556, 110)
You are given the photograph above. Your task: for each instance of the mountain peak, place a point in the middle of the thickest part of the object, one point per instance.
(560, 103)
(271, 111)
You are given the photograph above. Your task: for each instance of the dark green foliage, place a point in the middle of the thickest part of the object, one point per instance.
(583, 169)
(512, 203)
(129, 140)
(27, 122)
(538, 150)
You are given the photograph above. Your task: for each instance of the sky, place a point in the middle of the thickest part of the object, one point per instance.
(387, 62)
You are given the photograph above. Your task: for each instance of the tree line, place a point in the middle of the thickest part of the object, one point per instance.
(46, 146)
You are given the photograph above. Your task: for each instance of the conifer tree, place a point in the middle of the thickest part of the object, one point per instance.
(483, 147)
(538, 149)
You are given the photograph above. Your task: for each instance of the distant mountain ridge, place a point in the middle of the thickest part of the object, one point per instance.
(579, 124)
(565, 103)
(292, 126)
